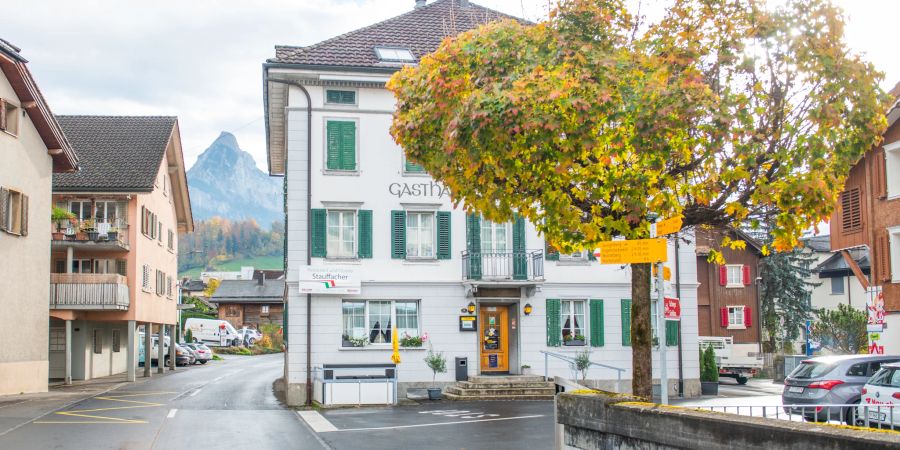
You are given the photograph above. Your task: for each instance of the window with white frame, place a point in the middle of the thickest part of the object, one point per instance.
(735, 275)
(893, 255)
(892, 169)
(394, 54)
(371, 321)
(495, 237)
(575, 256)
(736, 317)
(82, 266)
(571, 322)
(107, 211)
(57, 339)
(420, 235)
(160, 282)
(171, 240)
(81, 209)
(264, 310)
(341, 235)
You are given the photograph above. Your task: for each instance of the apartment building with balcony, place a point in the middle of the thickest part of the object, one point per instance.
(114, 262)
(375, 245)
(33, 148)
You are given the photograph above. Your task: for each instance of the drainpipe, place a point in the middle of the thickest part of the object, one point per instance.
(678, 294)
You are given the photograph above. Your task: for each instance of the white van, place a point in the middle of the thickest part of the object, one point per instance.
(212, 332)
(154, 352)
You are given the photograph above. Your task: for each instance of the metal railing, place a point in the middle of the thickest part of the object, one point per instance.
(90, 230)
(571, 361)
(89, 291)
(873, 416)
(526, 265)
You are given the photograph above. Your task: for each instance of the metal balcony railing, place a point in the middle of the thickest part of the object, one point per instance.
(89, 291)
(112, 232)
(526, 265)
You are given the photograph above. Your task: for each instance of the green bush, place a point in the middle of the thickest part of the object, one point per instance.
(437, 363)
(188, 336)
(709, 370)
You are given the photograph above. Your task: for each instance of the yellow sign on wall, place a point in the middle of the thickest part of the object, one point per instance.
(632, 252)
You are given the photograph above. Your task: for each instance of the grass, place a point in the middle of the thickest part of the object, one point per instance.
(258, 262)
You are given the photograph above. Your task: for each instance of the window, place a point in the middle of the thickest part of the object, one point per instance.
(576, 256)
(145, 277)
(736, 317)
(150, 226)
(105, 266)
(851, 211)
(98, 341)
(171, 240)
(264, 310)
(340, 97)
(394, 54)
(340, 143)
(837, 285)
(889, 261)
(411, 167)
(107, 211)
(857, 370)
(888, 171)
(13, 212)
(81, 208)
(57, 339)
(159, 233)
(232, 311)
(9, 117)
(341, 234)
(735, 275)
(494, 237)
(571, 321)
(370, 322)
(420, 235)
(160, 283)
(166, 184)
(116, 341)
(169, 286)
(81, 266)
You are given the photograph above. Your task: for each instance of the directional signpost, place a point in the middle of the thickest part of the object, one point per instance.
(632, 252)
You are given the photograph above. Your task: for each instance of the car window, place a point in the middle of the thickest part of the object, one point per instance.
(882, 378)
(811, 369)
(857, 370)
(895, 378)
(875, 365)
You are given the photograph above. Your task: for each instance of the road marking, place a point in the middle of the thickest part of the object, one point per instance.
(195, 392)
(442, 423)
(219, 378)
(171, 413)
(133, 404)
(315, 421)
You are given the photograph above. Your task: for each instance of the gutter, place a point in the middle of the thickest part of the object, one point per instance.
(678, 294)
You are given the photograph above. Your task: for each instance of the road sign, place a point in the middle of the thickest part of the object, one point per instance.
(673, 308)
(667, 273)
(632, 252)
(668, 226)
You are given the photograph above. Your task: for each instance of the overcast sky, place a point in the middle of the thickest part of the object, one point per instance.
(201, 59)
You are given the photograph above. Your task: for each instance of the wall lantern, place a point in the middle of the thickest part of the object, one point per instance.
(528, 309)
(471, 308)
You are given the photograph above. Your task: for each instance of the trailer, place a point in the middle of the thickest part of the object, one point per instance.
(738, 361)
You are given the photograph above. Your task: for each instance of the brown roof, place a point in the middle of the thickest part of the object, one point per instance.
(420, 30)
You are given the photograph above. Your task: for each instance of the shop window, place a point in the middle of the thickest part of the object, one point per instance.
(371, 321)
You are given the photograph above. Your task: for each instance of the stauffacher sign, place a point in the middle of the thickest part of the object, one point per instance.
(328, 280)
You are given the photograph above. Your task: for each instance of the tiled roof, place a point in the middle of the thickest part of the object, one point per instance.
(116, 153)
(249, 291)
(818, 243)
(420, 30)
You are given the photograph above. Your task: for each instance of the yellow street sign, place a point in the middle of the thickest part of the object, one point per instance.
(668, 226)
(632, 252)
(667, 273)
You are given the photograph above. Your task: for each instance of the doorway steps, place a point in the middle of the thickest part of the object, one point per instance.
(505, 387)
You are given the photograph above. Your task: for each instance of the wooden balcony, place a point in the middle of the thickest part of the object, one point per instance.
(89, 291)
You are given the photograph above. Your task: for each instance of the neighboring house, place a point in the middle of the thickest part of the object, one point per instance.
(115, 264)
(377, 244)
(193, 288)
(867, 215)
(250, 303)
(728, 296)
(33, 148)
(835, 279)
(246, 273)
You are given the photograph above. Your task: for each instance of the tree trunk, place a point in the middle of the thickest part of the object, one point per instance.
(641, 348)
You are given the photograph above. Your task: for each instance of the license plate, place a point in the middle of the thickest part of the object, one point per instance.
(795, 389)
(875, 415)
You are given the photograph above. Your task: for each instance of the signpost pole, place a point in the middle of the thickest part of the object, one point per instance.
(661, 334)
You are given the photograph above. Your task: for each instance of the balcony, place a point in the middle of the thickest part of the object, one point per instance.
(513, 268)
(89, 291)
(87, 234)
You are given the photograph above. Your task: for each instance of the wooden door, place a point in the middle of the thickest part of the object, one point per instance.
(494, 342)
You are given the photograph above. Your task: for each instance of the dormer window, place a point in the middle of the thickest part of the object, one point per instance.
(394, 54)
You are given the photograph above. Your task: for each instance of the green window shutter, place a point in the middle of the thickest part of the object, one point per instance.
(626, 322)
(520, 259)
(340, 97)
(554, 331)
(671, 333)
(597, 328)
(591, 256)
(473, 246)
(365, 233)
(413, 167)
(348, 146)
(341, 145)
(398, 234)
(284, 319)
(319, 244)
(333, 144)
(443, 235)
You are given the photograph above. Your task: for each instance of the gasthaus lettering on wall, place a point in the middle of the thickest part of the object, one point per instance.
(430, 189)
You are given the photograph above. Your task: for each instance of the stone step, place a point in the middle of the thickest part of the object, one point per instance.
(471, 385)
(456, 397)
(486, 379)
(500, 392)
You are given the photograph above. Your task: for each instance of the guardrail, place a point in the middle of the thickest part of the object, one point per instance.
(525, 265)
(873, 416)
(571, 362)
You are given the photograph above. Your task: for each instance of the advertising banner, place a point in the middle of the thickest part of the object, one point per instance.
(329, 280)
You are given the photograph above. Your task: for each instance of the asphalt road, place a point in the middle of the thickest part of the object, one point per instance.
(224, 404)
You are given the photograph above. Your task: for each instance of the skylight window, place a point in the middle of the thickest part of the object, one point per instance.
(394, 54)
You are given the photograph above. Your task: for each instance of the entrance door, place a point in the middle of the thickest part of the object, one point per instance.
(494, 332)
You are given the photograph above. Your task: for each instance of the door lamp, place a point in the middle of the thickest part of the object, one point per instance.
(471, 308)
(528, 309)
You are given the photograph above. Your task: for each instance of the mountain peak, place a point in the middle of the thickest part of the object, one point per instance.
(226, 139)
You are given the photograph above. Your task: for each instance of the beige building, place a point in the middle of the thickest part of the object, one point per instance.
(33, 148)
(115, 262)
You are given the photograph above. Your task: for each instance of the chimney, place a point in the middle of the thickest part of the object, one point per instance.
(420, 3)
(260, 277)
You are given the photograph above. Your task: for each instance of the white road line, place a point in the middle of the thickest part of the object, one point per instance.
(171, 413)
(315, 421)
(195, 392)
(219, 378)
(441, 423)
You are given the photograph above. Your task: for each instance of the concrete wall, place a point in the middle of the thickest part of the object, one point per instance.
(25, 260)
(601, 421)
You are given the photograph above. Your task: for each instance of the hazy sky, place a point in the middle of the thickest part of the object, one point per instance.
(202, 59)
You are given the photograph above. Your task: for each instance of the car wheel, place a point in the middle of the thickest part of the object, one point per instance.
(203, 362)
(742, 380)
(196, 341)
(252, 341)
(850, 414)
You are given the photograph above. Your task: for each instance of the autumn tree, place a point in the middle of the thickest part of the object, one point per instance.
(587, 123)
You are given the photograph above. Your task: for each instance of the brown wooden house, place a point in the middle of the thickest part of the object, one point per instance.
(250, 303)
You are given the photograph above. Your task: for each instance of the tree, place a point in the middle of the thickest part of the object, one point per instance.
(785, 295)
(211, 287)
(589, 122)
(841, 330)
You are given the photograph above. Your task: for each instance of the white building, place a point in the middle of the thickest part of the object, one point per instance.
(384, 236)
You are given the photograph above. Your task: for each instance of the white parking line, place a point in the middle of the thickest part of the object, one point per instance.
(441, 423)
(171, 413)
(315, 421)
(196, 392)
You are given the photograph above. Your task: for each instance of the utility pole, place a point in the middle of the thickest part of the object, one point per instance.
(661, 334)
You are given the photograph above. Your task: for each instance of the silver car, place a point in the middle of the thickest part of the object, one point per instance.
(201, 352)
(830, 380)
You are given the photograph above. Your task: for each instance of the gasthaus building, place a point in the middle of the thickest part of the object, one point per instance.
(373, 243)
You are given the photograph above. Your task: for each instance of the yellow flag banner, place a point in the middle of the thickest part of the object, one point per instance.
(395, 357)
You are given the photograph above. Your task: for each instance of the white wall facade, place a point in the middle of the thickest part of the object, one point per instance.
(437, 285)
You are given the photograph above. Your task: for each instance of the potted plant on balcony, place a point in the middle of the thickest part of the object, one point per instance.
(438, 364)
(89, 226)
(113, 234)
(58, 216)
(574, 340)
(709, 372)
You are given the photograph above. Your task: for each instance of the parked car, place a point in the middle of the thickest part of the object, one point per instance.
(880, 403)
(249, 335)
(183, 356)
(154, 351)
(830, 380)
(212, 332)
(202, 352)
